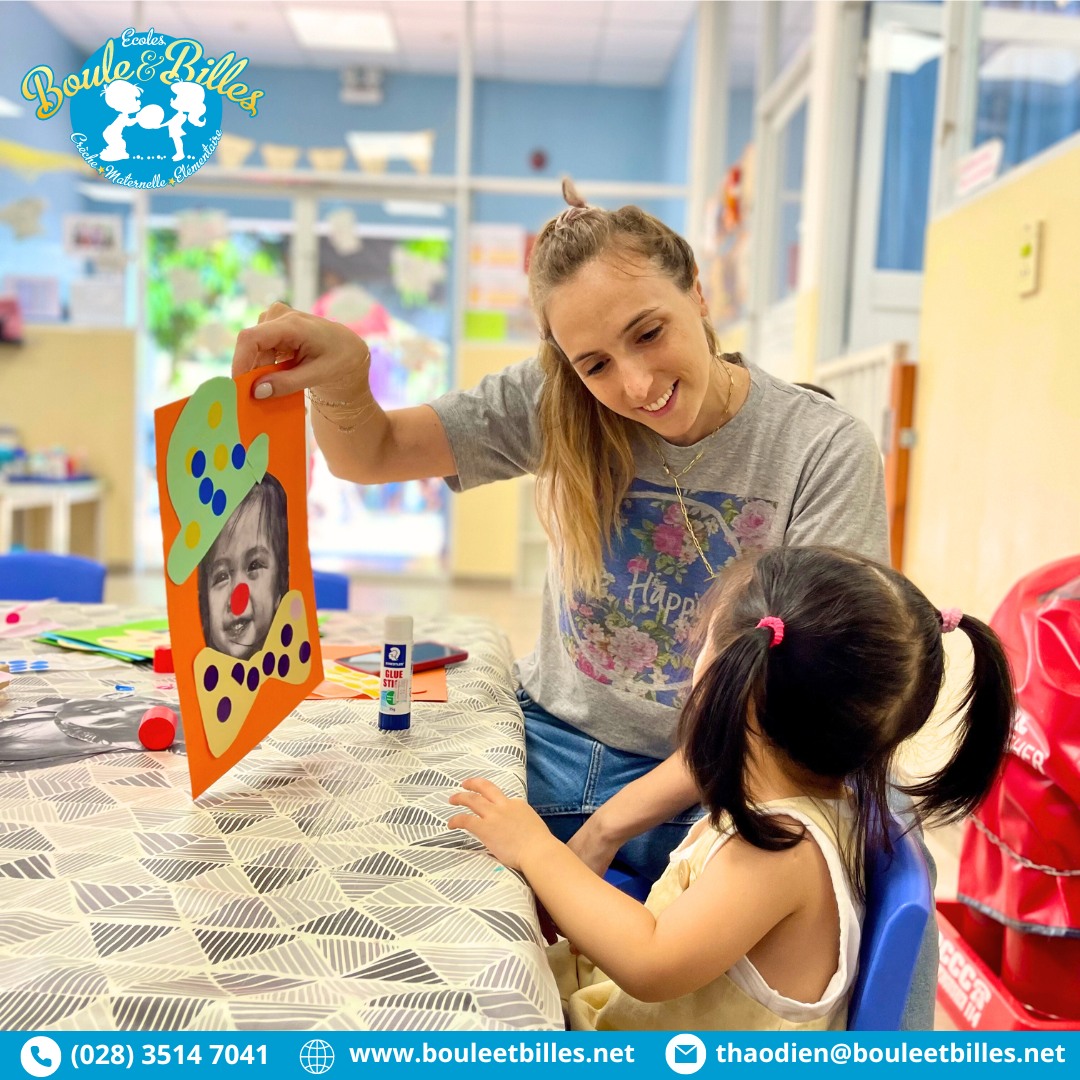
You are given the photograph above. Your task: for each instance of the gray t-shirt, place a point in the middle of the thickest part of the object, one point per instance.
(790, 467)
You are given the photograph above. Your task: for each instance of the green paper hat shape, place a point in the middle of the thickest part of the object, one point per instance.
(209, 472)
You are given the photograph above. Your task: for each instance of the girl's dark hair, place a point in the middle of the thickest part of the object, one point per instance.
(268, 496)
(858, 671)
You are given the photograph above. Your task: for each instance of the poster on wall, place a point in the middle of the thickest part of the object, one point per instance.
(94, 236)
(241, 600)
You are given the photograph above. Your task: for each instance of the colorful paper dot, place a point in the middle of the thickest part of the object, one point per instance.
(206, 490)
(286, 635)
(224, 709)
(239, 599)
(283, 666)
(12, 617)
(221, 457)
(253, 679)
(124, 688)
(305, 651)
(218, 503)
(192, 534)
(268, 664)
(197, 463)
(238, 673)
(239, 456)
(210, 677)
(213, 418)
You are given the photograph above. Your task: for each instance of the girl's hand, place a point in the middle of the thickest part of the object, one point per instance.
(332, 360)
(508, 828)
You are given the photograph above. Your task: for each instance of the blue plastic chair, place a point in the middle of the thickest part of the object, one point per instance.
(899, 902)
(628, 882)
(39, 575)
(331, 591)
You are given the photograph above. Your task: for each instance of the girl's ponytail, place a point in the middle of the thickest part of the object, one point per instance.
(714, 735)
(987, 709)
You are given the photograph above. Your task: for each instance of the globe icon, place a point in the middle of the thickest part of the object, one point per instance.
(317, 1056)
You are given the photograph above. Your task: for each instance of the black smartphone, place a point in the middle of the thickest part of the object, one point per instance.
(426, 655)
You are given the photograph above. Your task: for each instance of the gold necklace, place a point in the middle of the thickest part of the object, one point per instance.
(675, 477)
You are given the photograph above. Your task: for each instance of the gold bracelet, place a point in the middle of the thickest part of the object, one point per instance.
(316, 401)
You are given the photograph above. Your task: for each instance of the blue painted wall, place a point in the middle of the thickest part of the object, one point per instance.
(28, 40)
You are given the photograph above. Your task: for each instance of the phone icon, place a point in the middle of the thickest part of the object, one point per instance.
(40, 1056)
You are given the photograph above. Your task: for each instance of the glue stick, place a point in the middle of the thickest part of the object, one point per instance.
(395, 687)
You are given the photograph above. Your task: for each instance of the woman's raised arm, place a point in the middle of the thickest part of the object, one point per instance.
(360, 440)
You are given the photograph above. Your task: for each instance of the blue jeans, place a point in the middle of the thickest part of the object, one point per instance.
(570, 774)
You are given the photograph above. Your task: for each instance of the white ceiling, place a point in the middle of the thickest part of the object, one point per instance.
(610, 42)
(616, 42)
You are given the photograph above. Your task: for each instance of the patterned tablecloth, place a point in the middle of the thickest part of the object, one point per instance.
(314, 886)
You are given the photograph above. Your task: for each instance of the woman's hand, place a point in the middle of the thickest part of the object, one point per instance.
(594, 849)
(332, 360)
(508, 828)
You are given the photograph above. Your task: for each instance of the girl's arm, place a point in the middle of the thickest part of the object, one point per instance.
(650, 800)
(741, 895)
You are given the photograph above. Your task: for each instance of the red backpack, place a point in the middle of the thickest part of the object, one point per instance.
(1020, 864)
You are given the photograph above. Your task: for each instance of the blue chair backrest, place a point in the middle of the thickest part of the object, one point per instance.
(39, 575)
(628, 882)
(899, 903)
(331, 591)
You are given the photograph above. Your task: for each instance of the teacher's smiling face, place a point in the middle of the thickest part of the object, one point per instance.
(637, 342)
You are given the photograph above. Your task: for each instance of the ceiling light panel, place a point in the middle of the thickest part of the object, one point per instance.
(350, 31)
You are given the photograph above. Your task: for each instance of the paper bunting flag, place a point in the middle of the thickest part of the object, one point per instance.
(342, 231)
(261, 289)
(186, 284)
(24, 217)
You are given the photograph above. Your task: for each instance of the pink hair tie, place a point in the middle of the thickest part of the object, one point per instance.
(771, 622)
(950, 619)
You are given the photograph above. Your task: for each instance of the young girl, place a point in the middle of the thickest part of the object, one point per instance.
(816, 664)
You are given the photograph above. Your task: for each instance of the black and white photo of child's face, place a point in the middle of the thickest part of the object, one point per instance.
(244, 575)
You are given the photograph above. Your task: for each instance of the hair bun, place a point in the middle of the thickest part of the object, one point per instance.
(571, 194)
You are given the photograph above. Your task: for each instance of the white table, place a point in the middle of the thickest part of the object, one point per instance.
(58, 497)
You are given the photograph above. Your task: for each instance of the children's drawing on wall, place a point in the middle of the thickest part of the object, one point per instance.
(393, 293)
(238, 582)
(727, 243)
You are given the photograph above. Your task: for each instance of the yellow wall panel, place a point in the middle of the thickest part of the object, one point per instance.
(995, 488)
(75, 387)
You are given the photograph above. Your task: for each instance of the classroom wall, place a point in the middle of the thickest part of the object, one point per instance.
(28, 40)
(76, 387)
(485, 522)
(995, 490)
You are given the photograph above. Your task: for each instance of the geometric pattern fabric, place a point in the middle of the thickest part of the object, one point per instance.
(314, 886)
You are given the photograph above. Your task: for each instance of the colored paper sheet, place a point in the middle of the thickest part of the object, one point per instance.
(347, 682)
(242, 624)
(130, 641)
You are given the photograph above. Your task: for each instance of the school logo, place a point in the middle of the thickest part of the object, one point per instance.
(146, 108)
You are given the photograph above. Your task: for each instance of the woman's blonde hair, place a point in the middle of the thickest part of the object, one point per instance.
(587, 459)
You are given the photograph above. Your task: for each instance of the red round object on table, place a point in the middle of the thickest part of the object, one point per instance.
(157, 728)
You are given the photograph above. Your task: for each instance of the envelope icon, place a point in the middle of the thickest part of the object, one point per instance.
(686, 1055)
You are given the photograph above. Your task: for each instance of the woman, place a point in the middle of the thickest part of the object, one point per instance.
(658, 460)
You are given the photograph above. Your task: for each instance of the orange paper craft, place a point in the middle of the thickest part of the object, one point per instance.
(427, 685)
(210, 457)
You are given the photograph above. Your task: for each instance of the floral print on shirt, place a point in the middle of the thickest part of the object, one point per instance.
(632, 635)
